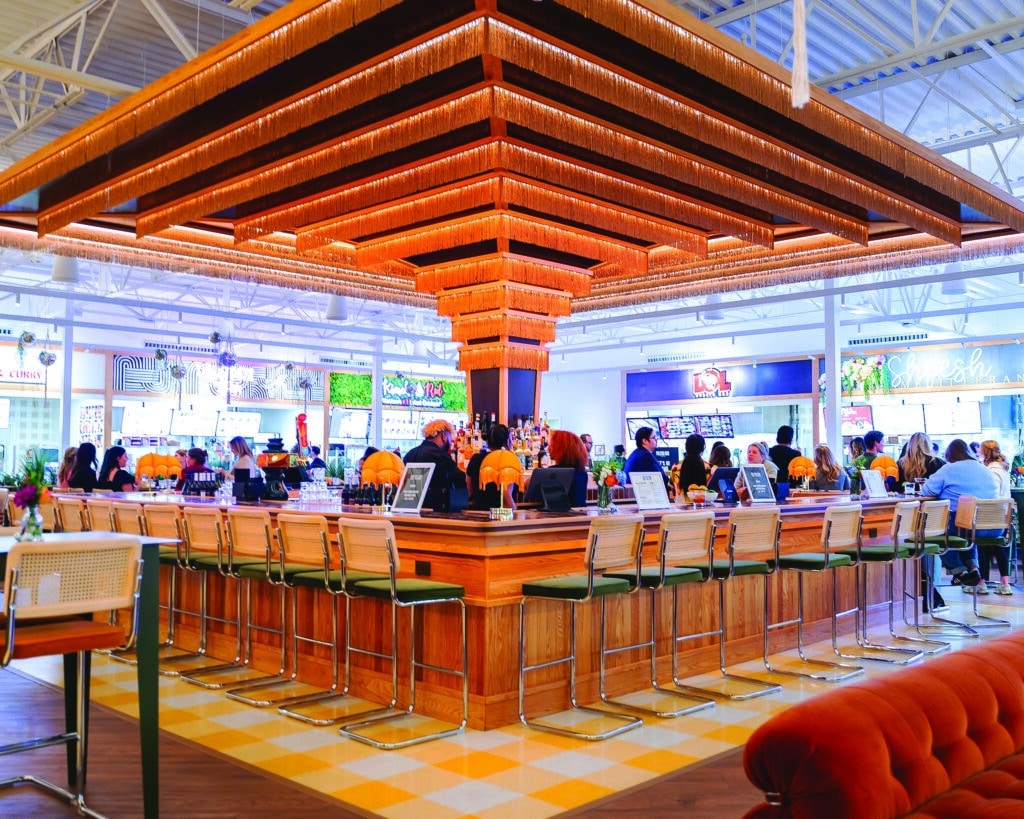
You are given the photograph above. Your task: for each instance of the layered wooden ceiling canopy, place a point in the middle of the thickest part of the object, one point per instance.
(512, 160)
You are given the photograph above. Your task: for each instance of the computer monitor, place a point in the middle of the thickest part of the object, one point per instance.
(547, 474)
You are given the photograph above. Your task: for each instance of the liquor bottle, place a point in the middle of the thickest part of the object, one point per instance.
(494, 419)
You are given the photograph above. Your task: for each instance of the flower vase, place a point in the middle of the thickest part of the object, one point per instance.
(604, 498)
(31, 525)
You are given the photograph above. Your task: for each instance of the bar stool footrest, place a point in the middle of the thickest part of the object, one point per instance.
(660, 702)
(755, 687)
(332, 709)
(77, 800)
(580, 715)
(399, 729)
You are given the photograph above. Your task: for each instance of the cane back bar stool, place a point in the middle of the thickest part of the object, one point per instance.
(885, 555)
(99, 513)
(308, 535)
(302, 562)
(163, 520)
(251, 556)
(840, 528)
(48, 587)
(994, 517)
(753, 532)
(682, 537)
(206, 554)
(931, 538)
(70, 513)
(613, 543)
(368, 546)
(128, 519)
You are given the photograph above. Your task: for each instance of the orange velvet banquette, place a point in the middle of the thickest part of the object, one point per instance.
(940, 739)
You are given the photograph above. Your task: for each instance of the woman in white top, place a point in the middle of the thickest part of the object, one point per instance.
(996, 463)
(244, 458)
(994, 459)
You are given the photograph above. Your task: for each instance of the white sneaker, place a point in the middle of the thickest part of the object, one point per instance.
(982, 588)
(1004, 588)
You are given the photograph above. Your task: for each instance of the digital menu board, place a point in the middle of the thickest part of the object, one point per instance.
(230, 424)
(201, 423)
(856, 420)
(145, 420)
(681, 426)
(952, 418)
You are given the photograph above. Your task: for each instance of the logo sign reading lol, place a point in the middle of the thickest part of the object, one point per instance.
(711, 382)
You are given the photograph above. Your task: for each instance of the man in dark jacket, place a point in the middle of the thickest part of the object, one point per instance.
(447, 490)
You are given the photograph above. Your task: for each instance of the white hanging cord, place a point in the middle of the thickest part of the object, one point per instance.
(801, 94)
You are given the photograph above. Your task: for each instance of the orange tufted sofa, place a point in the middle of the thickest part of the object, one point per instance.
(941, 740)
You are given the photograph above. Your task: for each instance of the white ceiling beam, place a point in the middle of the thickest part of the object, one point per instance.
(67, 76)
(174, 34)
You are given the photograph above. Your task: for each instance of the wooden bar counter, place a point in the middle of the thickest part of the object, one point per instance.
(493, 558)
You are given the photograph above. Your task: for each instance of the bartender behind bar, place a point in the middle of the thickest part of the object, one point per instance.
(447, 490)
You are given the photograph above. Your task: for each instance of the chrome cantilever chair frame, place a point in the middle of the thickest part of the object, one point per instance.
(885, 556)
(751, 531)
(681, 537)
(612, 543)
(367, 549)
(980, 514)
(840, 528)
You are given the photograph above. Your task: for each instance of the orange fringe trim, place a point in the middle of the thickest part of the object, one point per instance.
(487, 358)
(503, 296)
(472, 327)
(503, 267)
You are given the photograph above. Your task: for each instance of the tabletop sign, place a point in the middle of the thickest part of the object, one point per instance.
(874, 483)
(649, 490)
(758, 485)
(413, 488)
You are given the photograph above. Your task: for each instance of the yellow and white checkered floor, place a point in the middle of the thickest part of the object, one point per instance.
(509, 772)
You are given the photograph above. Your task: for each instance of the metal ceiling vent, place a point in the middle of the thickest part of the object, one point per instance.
(178, 348)
(6, 331)
(871, 341)
(676, 358)
(344, 362)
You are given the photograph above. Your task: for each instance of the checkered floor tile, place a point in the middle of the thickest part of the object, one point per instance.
(509, 772)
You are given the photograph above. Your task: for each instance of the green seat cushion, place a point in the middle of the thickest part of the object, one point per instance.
(168, 554)
(574, 587)
(877, 554)
(990, 541)
(254, 571)
(810, 561)
(316, 578)
(931, 546)
(721, 568)
(408, 590)
(650, 577)
(953, 541)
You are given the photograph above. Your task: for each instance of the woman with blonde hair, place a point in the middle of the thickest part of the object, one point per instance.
(66, 464)
(993, 458)
(918, 461)
(995, 461)
(829, 476)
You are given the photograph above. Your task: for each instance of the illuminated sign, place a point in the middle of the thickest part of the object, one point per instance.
(711, 382)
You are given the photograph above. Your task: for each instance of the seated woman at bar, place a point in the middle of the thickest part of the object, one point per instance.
(195, 463)
(693, 471)
(113, 475)
(829, 476)
(918, 461)
(962, 474)
(489, 496)
(66, 465)
(448, 482)
(720, 456)
(568, 451)
(757, 453)
(83, 473)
